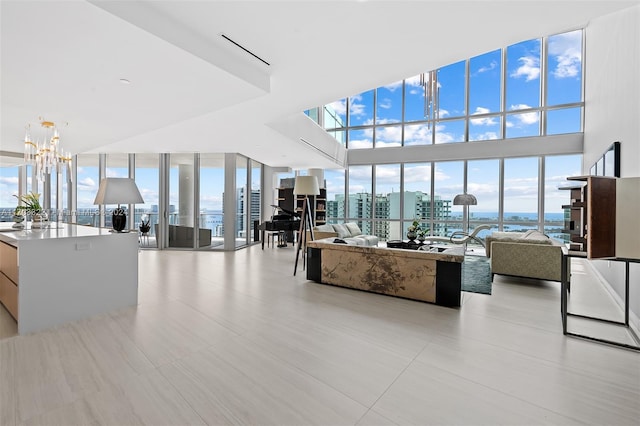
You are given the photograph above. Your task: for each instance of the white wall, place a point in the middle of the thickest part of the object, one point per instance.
(612, 111)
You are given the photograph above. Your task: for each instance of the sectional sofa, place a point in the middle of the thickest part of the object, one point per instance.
(529, 254)
(348, 232)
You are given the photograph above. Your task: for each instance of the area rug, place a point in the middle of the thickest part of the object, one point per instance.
(476, 275)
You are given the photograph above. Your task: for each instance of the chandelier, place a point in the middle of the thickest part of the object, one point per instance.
(45, 153)
(429, 81)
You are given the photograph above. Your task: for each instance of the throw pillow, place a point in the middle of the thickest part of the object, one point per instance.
(324, 228)
(342, 230)
(353, 228)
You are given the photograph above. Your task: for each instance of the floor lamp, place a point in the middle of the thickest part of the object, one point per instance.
(465, 200)
(305, 185)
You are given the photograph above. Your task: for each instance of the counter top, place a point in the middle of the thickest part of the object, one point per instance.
(55, 230)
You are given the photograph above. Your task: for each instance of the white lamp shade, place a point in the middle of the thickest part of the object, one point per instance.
(118, 191)
(465, 200)
(306, 185)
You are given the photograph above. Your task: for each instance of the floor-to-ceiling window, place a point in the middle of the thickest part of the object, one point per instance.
(147, 178)
(9, 186)
(242, 201)
(181, 200)
(335, 195)
(359, 201)
(255, 211)
(211, 216)
(87, 183)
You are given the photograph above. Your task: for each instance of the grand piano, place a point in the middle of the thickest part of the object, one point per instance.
(286, 222)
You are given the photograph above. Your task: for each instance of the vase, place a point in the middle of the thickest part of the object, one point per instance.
(421, 238)
(411, 235)
(40, 220)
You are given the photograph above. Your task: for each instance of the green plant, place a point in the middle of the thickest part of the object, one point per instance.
(30, 203)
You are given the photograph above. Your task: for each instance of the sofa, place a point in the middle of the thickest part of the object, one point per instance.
(434, 277)
(348, 232)
(530, 254)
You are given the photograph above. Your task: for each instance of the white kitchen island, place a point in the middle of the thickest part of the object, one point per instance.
(65, 272)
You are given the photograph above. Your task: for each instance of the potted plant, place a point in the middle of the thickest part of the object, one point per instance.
(30, 204)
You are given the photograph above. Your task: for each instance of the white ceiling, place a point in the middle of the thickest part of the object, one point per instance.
(193, 91)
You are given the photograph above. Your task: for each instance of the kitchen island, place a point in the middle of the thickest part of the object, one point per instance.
(65, 272)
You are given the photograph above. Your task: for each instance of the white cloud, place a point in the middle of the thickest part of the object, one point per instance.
(529, 68)
(486, 136)
(391, 134)
(360, 143)
(490, 67)
(413, 81)
(565, 49)
(443, 113)
(340, 107)
(86, 184)
(483, 121)
(442, 136)
(9, 180)
(116, 173)
(516, 107)
(523, 119)
(417, 133)
(394, 86)
(385, 103)
(356, 108)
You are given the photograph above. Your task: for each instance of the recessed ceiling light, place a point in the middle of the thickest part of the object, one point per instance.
(124, 81)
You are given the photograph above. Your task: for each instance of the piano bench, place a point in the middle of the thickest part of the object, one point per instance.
(273, 236)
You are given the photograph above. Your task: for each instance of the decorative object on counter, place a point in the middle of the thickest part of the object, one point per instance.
(45, 153)
(415, 230)
(18, 219)
(29, 204)
(118, 191)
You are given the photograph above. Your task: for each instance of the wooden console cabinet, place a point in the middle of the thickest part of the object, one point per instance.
(601, 217)
(9, 278)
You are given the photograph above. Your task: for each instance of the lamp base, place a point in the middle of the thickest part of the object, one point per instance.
(119, 219)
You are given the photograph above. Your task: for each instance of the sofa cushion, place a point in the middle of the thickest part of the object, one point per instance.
(324, 228)
(342, 230)
(353, 228)
(368, 240)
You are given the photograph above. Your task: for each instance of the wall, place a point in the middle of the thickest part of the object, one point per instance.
(612, 111)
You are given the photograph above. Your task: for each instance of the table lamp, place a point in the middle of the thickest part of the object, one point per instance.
(118, 191)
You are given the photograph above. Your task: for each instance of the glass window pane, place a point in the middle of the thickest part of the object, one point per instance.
(413, 99)
(566, 120)
(361, 109)
(387, 136)
(521, 193)
(564, 78)
(451, 84)
(449, 176)
(523, 75)
(359, 202)
(523, 124)
(389, 103)
(335, 114)
(181, 198)
(387, 183)
(211, 197)
(241, 234)
(148, 181)
(417, 134)
(484, 82)
(360, 139)
(256, 195)
(416, 198)
(450, 131)
(556, 169)
(8, 188)
(484, 128)
(335, 195)
(483, 181)
(87, 187)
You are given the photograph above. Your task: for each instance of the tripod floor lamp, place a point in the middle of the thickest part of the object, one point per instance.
(305, 185)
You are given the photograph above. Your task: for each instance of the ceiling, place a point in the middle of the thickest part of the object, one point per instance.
(191, 90)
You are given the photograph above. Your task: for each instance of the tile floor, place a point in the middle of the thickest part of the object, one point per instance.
(235, 338)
